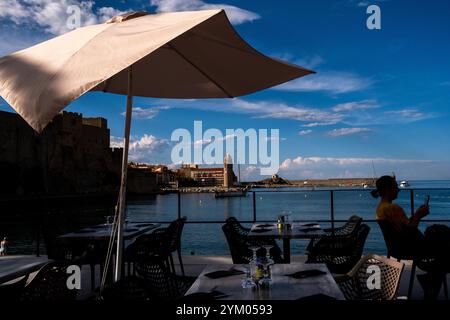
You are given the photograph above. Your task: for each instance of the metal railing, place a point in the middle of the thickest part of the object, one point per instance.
(332, 192)
(331, 221)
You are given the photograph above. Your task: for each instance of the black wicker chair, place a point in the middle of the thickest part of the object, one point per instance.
(354, 285)
(154, 243)
(162, 241)
(348, 228)
(153, 266)
(49, 284)
(174, 233)
(239, 243)
(352, 223)
(339, 253)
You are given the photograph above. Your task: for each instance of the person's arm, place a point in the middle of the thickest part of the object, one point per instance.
(399, 217)
(420, 213)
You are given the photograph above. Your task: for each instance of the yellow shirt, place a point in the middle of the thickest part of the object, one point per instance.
(393, 213)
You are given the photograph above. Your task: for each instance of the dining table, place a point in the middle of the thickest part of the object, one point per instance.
(318, 283)
(96, 238)
(271, 231)
(103, 231)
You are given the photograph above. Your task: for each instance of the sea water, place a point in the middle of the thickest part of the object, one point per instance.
(208, 238)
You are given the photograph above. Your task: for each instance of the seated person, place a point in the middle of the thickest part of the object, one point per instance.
(434, 243)
(408, 234)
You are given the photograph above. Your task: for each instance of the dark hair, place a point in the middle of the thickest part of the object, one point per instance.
(383, 183)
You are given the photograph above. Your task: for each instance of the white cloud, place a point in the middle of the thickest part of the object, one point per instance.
(260, 109)
(147, 148)
(146, 113)
(307, 62)
(317, 124)
(332, 167)
(360, 105)
(310, 62)
(347, 131)
(409, 115)
(348, 114)
(200, 143)
(106, 13)
(359, 117)
(357, 167)
(235, 14)
(14, 10)
(251, 173)
(304, 132)
(333, 82)
(51, 15)
(274, 110)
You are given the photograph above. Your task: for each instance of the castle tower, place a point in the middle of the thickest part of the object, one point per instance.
(228, 171)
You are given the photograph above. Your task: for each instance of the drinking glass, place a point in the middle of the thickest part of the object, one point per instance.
(254, 261)
(251, 269)
(288, 219)
(268, 262)
(248, 282)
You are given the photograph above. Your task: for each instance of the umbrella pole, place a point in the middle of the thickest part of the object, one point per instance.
(123, 183)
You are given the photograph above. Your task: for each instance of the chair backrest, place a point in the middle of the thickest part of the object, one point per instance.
(350, 226)
(158, 278)
(50, 283)
(400, 244)
(147, 245)
(388, 234)
(352, 248)
(236, 236)
(361, 237)
(239, 244)
(174, 232)
(366, 285)
(237, 226)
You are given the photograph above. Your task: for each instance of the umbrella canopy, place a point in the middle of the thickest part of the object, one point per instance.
(174, 55)
(168, 55)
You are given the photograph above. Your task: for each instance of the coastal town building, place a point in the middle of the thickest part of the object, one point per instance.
(206, 177)
(210, 177)
(147, 178)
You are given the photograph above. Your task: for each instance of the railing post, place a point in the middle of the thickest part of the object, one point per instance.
(332, 211)
(254, 206)
(411, 194)
(179, 204)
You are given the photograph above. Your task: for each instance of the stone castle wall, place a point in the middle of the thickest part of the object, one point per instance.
(71, 156)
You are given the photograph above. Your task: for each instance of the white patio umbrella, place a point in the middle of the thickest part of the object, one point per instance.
(192, 55)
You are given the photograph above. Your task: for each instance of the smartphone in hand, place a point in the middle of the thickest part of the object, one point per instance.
(427, 200)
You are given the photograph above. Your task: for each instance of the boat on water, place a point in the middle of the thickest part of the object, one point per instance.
(231, 193)
(404, 184)
(369, 185)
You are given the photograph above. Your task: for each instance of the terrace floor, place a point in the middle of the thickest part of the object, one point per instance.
(193, 266)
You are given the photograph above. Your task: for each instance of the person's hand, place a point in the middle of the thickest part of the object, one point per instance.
(423, 211)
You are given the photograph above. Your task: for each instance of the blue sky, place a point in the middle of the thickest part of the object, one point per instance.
(379, 96)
